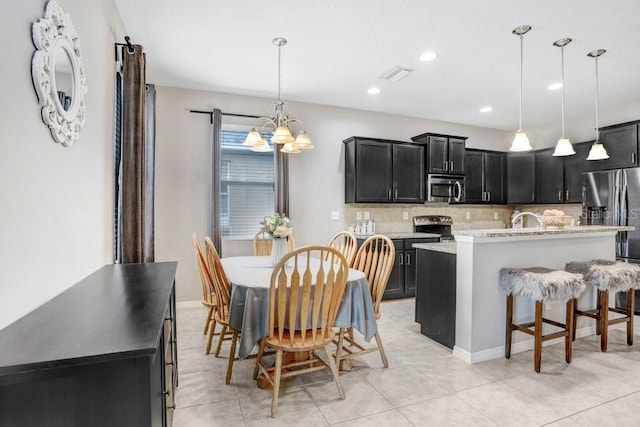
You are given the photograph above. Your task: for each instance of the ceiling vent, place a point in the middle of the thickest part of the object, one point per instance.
(397, 73)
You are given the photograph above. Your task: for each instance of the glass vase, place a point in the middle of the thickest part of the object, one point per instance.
(278, 250)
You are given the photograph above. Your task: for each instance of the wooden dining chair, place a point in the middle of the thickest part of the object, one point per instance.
(223, 293)
(375, 259)
(345, 243)
(303, 287)
(208, 293)
(262, 243)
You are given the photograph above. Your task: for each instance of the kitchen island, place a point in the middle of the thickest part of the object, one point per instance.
(480, 305)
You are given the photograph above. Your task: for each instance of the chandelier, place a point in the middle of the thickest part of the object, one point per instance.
(280, 123)
(521, 141)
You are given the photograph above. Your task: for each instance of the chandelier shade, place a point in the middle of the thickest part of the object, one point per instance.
(521, 141)
(280, 123)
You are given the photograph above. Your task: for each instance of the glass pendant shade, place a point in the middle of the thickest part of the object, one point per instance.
(290, 148)
(262, 146)
(253, 138)
(564, 148)
(520, 142)
(282, 135)
(303, 141)
(597, 152)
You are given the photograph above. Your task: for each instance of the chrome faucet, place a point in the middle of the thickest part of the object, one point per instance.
(521, 214)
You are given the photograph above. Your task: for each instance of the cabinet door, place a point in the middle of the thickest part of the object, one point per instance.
(549, 177)
(408, 173)
(395, 285)
(521, 179)
(574, 167)
(410, 272)
(456, 156)
(622, 146)
(494, 178)
(473, 185)
(437, 156)
(373, 171)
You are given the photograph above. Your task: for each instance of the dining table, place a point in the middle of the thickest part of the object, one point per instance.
(250, 278)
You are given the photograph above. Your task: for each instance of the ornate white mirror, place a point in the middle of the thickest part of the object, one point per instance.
(58, 74)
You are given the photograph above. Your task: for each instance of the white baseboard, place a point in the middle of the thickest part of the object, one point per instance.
(189, 304)
(517, 347)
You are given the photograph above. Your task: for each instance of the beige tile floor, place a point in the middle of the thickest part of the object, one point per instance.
(423, 386)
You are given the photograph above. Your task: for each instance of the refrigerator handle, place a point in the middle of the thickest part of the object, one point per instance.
(624, 244)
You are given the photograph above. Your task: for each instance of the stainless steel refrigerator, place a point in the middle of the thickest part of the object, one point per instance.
(613, 198)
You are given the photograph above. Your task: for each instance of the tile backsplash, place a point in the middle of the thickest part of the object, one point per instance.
(389, 218)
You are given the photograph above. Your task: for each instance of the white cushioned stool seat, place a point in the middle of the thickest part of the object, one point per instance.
(542, 284)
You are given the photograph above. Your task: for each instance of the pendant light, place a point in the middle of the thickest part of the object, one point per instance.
(597, 152)
(563, 147)
(521, 142)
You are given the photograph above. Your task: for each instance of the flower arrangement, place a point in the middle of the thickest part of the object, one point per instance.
(277, 225)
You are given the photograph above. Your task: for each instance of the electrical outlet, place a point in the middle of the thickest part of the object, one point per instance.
(366, 215)
(358, 215)
(547, 306)
(495, 215)
(335, 215)
(405, 215)
(468, 215)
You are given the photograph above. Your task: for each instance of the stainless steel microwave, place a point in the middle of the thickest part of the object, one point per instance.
(445, 188)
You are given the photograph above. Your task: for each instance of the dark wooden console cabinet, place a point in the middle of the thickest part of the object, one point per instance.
(102, 353)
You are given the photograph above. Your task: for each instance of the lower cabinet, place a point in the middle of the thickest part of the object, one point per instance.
(402, 280)
(436, 296)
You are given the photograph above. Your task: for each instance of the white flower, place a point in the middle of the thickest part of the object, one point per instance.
(277, 225)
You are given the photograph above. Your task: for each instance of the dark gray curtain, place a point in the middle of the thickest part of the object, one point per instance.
(282, 181)
(215, 147)
(137, 160)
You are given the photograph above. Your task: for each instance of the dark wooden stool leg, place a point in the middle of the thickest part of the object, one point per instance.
(604, 320)
(631, 296)
(537, 344)
(598, 311)
(575, 319)
(568, 340)
(509, 334)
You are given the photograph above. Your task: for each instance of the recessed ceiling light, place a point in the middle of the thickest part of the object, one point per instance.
(373, 91)
(486, 109)
(554, 86)
(428, 56)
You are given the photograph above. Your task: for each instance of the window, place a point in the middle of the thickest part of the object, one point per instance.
(247, 187)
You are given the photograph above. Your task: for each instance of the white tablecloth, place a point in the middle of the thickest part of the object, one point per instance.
(250, 278)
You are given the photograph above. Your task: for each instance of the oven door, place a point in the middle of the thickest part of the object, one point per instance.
(445, 188)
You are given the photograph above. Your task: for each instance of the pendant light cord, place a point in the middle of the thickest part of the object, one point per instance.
(562, 103)
(597, 130)
(521, 62)
(279, 48)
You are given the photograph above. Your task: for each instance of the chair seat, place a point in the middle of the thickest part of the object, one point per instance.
(542, 284)
(298, 345)
(613, 276)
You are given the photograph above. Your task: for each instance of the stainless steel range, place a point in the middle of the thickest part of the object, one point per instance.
(437, 224)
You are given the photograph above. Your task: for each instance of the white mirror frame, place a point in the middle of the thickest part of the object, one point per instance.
(52, 32)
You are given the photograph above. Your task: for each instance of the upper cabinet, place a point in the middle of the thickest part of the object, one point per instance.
(574, 167)
(549, 177)
(521, 178)
(445, 153)
(484, 179)
(621, 143)
(383, 171)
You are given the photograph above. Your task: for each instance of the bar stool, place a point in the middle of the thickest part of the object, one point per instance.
(608, 276)
(543, 285)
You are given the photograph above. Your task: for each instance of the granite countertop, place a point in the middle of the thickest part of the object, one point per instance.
(406, 235)
(447, 247)
(507, 232)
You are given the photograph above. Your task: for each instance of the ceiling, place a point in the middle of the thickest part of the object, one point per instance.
(338, 49)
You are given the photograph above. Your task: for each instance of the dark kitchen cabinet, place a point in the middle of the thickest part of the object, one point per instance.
(549, 177)
(574, 167)
(436, 296)
(402, 280)
(102, 353)
(621, 143)
(484, 180)
(383, 171)
(445, 153)
(521, 178)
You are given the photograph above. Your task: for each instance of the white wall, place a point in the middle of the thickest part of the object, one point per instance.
(56, 202)
(316, 177)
